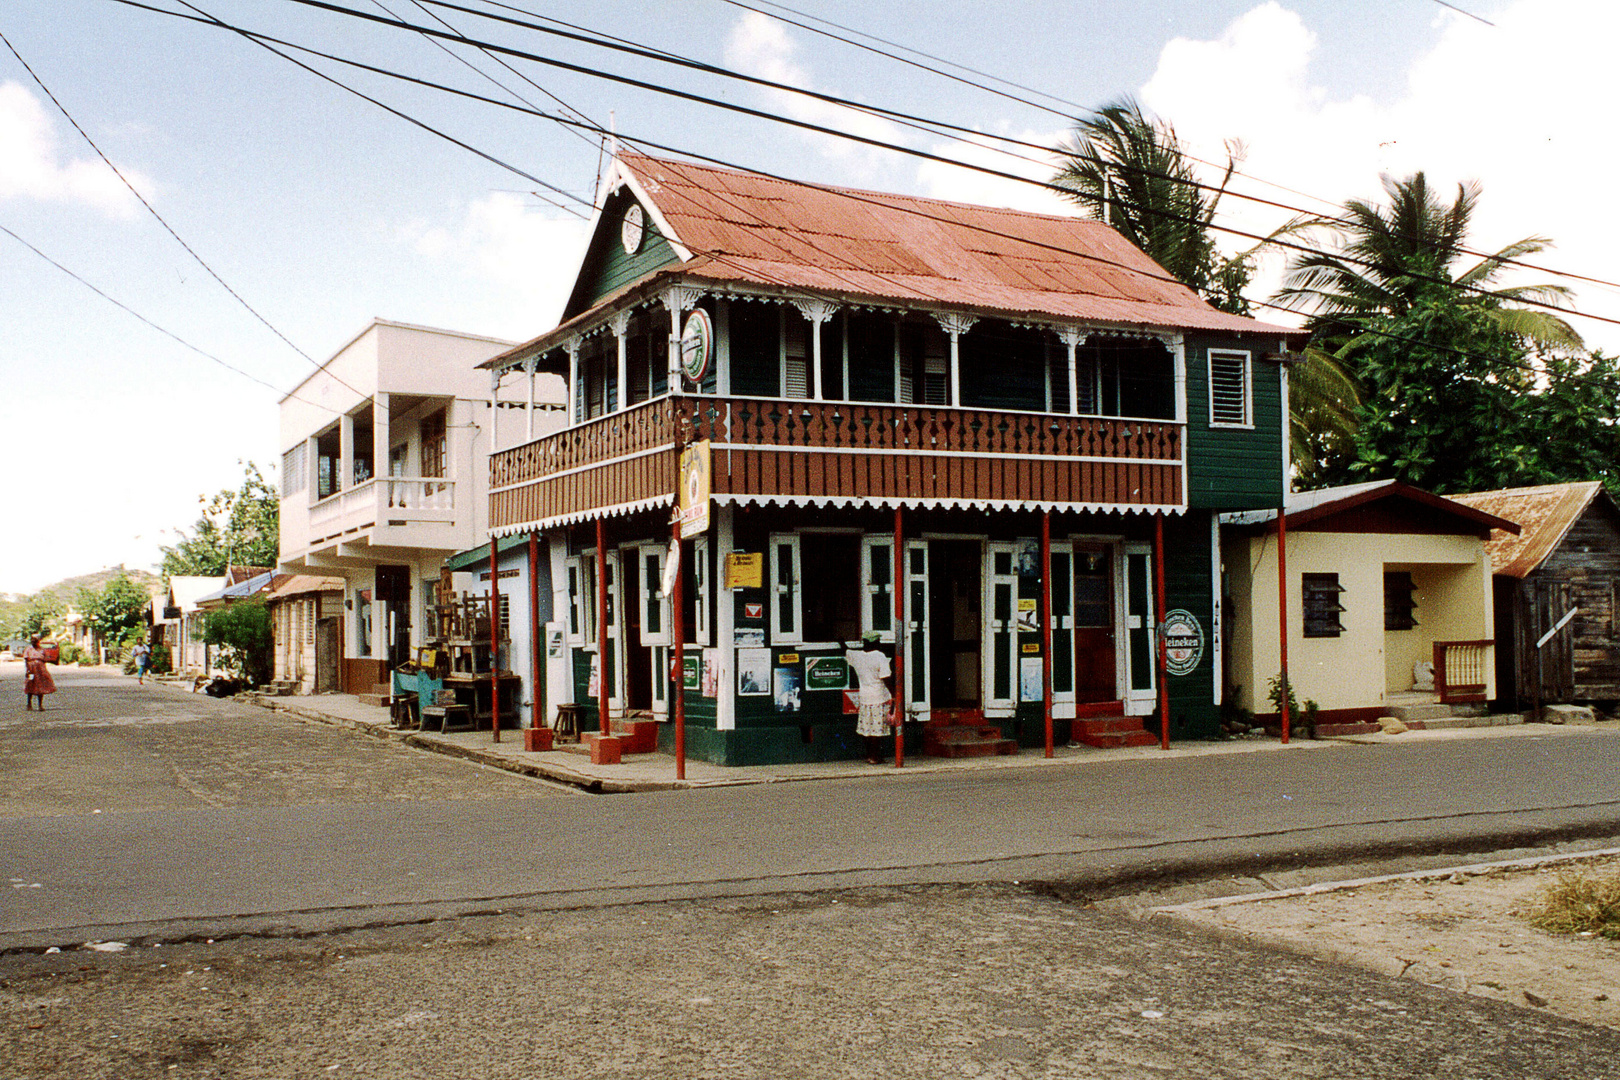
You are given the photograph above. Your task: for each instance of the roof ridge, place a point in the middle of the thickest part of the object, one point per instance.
(870, 192)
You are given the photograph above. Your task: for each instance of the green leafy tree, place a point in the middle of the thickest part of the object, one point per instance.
(116, 612)
(1459, 386)
(1136, 167)
(241, 631)
(41, 614)
(240, 528)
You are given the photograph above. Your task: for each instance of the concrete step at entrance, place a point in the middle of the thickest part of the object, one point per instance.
(1109, 732)
(966, 740)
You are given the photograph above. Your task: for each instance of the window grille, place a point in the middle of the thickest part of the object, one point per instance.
(1229, 388)
(294, 470)
(1322, 594)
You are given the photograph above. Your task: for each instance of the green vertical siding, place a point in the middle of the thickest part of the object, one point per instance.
(607, 268)
(1188, 584)
(1234, 468)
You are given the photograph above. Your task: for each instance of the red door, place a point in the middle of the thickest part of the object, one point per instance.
(1094, 660)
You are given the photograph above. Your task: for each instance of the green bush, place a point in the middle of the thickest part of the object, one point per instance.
(1304, 720)
(162, 660)
(242, 632)
(72, 654)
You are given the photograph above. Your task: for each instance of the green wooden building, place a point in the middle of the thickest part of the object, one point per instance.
(996, 441)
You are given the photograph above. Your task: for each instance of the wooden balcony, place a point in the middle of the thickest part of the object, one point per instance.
(833, 452)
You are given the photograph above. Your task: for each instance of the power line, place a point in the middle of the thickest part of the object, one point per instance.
(153, 211)
(810, 126)
(166, 333)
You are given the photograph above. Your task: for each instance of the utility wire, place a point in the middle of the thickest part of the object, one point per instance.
(818, 128)
(153, 211)
(227, 365)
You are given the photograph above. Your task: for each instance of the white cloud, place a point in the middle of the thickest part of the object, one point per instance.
(943, 181)
(759, 46)
(528, 256)
(1522, 107)
(31, 164)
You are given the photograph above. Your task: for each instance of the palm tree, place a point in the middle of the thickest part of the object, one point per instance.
(1387, 258)
(1132, 172)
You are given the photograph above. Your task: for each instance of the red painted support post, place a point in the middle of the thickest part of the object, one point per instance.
(537, 647)
(1158, 630)
(678, 675)
(1046, 624)
(494, 642)
(1282, 608)
(601, 629)
(899, 644)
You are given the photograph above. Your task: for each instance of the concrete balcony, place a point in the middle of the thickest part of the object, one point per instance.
(386, 512)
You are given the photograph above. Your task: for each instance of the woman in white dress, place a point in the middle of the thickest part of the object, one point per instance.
(871, 667)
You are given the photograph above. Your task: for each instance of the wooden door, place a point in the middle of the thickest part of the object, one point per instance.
(1095, 662)
(1547, 672)
(326, 656)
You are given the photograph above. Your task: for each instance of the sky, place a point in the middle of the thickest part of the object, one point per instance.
(321, 210)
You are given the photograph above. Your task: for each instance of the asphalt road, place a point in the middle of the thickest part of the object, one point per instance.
(213, 814)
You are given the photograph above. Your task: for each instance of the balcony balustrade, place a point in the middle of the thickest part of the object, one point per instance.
(383, 500)
(836, 452)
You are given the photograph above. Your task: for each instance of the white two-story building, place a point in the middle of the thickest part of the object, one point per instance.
(385, 472)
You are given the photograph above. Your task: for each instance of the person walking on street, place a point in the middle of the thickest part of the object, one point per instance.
(142, 656)
(37, 681)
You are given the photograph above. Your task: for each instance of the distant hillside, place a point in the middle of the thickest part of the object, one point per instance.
(67, 590)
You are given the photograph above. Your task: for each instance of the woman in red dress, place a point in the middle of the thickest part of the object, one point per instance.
(37, 682)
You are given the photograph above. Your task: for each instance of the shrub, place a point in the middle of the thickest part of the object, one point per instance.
(1305, 718)
(242, 632)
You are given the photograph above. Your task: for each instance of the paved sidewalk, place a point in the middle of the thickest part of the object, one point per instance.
(656, 772)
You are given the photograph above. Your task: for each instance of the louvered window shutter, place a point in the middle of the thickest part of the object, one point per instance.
(1229, 388)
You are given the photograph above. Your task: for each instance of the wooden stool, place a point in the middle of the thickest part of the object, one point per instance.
(445, 714)
(567, 724)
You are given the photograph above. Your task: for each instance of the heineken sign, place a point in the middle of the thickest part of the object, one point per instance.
(1183, 642)
(697, 345)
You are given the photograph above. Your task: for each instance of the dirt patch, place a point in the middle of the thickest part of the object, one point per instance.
(1462, 930)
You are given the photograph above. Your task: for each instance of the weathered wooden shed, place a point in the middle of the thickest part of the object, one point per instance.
(1555, 585)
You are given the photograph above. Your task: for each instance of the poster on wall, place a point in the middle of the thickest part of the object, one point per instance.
(753, 672)
(787, 687)
(748, 636)
(691, 671)
(711, 673)
(1030, 687)
(593, 687)
(1027, 622)
(1183, 642)
(554, 641)
(745, 570)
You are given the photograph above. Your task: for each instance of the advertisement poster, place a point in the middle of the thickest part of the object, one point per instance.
(826, 673)
(1029, 679)
(1027, 621)
(748, 636)
(593, 688)
(691, 671)
(711, 673)
(787, 687)
(753, 672)
(745, 570)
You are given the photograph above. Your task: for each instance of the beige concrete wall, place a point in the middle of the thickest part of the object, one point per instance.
(1359, 667)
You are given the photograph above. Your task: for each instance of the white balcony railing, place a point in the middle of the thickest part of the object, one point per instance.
(384, 500)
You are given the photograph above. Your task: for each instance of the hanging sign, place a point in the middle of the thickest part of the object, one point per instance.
(1183, 642)
(672, 567)
(697, 345)
(694, 493)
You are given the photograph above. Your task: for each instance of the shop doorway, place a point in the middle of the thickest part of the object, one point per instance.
(955, 624)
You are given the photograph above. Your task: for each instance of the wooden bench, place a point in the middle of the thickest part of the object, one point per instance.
(445, 714)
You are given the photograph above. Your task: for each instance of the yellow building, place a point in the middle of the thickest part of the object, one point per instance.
(1378, 576)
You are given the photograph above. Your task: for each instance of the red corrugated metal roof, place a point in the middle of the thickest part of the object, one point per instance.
(1544, 515)
(747, 228)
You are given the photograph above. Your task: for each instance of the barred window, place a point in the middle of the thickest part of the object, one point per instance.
(1229, 390)
(1322, 594)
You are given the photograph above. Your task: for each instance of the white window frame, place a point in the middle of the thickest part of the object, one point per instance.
(575, 571)
(1248, 386)
(873, 595)
(775, 589)
(652, 598)
(701, 588)
(994, 706)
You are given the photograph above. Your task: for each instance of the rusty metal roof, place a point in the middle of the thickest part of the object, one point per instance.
(746, 227)
(749, 227)
(1544, 515)
(302, 584)
(1308, 507)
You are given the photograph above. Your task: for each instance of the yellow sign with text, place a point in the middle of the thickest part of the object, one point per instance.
(745, 570)
(693, 498)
